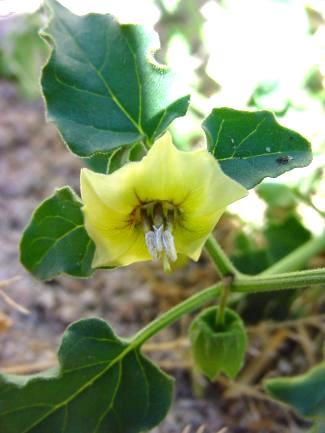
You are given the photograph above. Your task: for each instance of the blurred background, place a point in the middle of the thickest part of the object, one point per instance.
(244, 54)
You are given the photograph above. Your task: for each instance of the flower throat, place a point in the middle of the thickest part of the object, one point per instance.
(157, 220)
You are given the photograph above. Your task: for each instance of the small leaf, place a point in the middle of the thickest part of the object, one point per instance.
(306, 393)
(55, 240)
(22, 52)
(102, 86)
(108, 162)
(252, 145)
(218, 350)
(277, 195)
(102, 385)
(284, 237)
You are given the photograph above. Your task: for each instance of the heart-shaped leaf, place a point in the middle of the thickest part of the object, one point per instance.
(55, 240)
(252, 145)
(306, 393)
(102, 85)
(103, 385)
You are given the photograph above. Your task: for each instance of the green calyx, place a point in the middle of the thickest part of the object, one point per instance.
(218, 348)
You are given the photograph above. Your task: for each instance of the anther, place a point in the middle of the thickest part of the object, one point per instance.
(150, 239)
(158, 238)
(169, 245)
(158, 226)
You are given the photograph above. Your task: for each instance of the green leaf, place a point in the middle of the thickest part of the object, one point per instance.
(108, 162)
(218, 350)
(280, 237)
(102, 85)
(252, 145)
(284, 237)
(55, 239)
(22, 52)
(102, 385)
(306, 393)
(277, 195)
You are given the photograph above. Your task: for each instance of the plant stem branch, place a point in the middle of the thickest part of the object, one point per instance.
(222, 306)
(219, 258)
(308, 202)
(240, 284)
(290, 280)
(170, 316)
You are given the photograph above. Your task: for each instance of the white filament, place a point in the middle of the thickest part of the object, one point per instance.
(161, 241)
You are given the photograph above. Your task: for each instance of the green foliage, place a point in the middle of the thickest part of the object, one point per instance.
(102, 385)
(277, 195)
(22, 52)
(217, 350)
(110, 96)
(110, 100)
(252, 145)
(55, 239)
(108, 162)
(282, 234)
(306, 393)
(284, 237)
(279, 238)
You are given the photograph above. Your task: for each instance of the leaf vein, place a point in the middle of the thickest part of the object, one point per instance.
(57, 240)
(111, 406)
(218, 135)
(109, 90)
(248, 136)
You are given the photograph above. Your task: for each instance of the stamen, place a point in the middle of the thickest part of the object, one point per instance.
(158, 238)
(158, 215)
(145, 221)
(169, 245)
(158, 226)
(150, 239)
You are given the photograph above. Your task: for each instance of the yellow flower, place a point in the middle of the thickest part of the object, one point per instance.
(164, 205)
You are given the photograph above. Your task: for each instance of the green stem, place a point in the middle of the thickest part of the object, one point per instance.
(219, 258)
(298, 257)
(308, 202)
(170, 316)
(290, 280)
(241, 284)
(222, 307)
(146, 144)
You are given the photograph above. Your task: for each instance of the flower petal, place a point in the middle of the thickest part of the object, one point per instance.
(161, 174)
(114, 190)
(192, 181)
(118, 242)
(191, 236)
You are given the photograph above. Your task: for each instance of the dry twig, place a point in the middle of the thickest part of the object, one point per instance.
(201, 429)
(8, 300)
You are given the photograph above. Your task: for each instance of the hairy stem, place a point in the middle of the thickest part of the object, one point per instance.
(219, 258)
(170, 316)
(222, 306)
(290, 280)
(240, 284)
